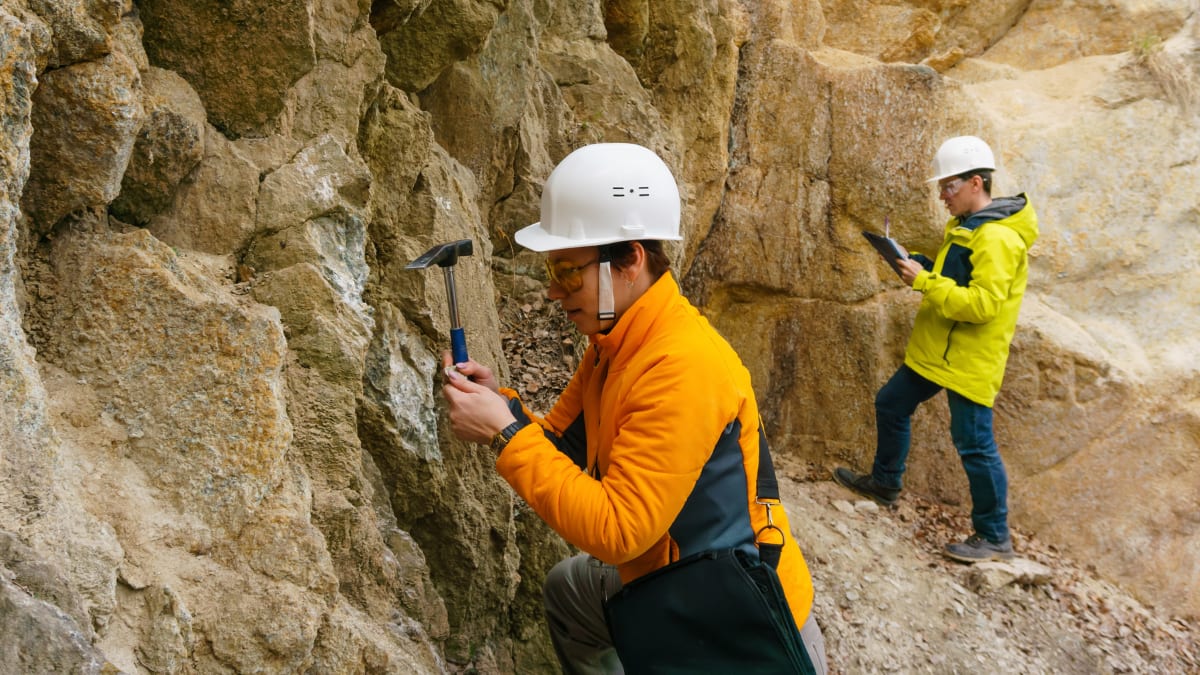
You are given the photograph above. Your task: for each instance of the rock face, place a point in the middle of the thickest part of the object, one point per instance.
(1100, 395)
(77, 158)
(218, 382)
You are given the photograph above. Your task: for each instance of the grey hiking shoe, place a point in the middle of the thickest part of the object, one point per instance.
(864, 484)
(977, 549)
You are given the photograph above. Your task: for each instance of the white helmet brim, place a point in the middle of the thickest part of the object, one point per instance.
(534, 238)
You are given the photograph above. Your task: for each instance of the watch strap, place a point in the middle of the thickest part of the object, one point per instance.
(502, 437)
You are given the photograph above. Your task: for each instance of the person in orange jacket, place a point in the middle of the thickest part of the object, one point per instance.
(618, 466)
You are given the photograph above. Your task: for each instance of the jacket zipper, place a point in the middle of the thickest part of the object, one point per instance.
(594, 470)
(946, 353)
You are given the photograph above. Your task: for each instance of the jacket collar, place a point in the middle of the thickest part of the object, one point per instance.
(999, 209)
(636, 323)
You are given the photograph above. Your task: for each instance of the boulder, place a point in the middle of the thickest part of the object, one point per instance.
(241, 63)
(169, 145)
(78, 160)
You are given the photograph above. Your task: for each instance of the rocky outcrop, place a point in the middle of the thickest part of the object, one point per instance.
(1101, 378)
(221, 443)
(77, 160)
(244, 60)
(169, 146)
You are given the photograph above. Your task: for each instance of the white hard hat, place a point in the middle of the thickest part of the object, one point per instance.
(961, 154)
(605, 193)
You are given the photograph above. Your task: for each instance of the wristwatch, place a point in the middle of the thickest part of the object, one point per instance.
(502, 437)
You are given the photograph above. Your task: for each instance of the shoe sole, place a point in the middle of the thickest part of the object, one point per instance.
(853, 488)
(995, 557)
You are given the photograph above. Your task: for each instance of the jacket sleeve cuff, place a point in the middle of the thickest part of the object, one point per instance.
(921, 282)
(515, 405)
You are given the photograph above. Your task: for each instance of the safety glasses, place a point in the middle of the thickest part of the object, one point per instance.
(951, 187)
(568, 276)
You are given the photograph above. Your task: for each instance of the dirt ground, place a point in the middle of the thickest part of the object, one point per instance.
(886, 599)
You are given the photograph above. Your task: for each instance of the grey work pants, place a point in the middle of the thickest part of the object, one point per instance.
(574, 595)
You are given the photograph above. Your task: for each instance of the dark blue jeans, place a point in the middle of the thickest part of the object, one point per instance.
(971, 431)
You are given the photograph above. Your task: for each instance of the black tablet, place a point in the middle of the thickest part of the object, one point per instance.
(887, 247)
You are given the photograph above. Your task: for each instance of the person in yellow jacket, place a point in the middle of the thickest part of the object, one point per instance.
(960, 341)
(620, 466)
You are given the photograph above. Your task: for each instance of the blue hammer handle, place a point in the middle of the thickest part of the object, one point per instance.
(458, 345)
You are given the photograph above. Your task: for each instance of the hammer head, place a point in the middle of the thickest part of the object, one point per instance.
(442, 255)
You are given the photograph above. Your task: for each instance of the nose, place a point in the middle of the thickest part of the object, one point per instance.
(555, 292)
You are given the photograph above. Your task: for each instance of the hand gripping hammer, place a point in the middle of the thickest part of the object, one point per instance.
(445, 256)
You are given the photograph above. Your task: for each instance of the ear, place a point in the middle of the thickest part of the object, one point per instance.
(639, 259)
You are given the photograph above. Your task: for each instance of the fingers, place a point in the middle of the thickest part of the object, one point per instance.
(476, 372)
(472, 368)
(468, 367)
(457, 379)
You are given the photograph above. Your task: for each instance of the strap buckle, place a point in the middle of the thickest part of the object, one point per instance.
(768, 503)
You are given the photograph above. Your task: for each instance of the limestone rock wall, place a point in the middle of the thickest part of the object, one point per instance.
(220, 445)
(1099, 407)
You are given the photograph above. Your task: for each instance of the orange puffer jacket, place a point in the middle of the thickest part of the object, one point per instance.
(621, 467)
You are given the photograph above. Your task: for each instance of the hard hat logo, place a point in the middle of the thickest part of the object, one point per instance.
(640, 191)
(605, 193)
(961, 154)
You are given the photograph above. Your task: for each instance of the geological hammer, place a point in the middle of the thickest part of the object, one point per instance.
(445, 256)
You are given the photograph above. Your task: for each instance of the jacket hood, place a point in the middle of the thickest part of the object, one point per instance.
(1013, 212)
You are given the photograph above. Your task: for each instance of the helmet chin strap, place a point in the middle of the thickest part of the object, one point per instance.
(606, 309)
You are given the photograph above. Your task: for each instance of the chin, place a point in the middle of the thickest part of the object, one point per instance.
(586, 327)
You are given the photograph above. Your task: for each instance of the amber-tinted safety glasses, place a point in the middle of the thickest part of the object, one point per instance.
(568, 276)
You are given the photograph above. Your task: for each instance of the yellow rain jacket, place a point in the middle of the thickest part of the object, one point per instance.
(973, 293)
(620, 466)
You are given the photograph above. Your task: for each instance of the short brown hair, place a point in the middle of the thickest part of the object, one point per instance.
(985, 175)
(621, 255)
